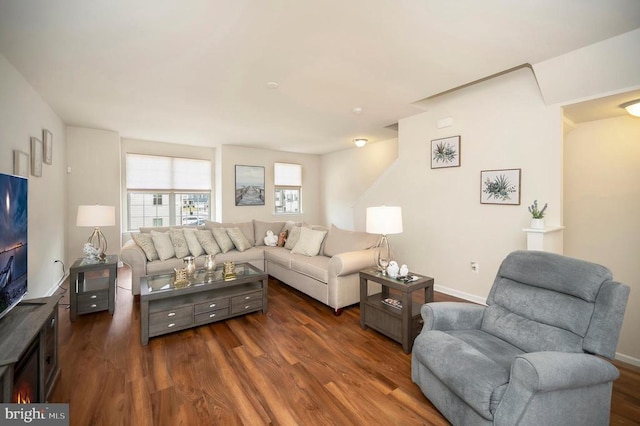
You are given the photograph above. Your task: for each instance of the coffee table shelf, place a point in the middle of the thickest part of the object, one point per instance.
(166, 307)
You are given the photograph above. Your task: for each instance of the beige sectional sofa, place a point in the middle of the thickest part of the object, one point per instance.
(318, 261)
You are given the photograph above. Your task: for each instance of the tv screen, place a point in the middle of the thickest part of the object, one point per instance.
(13, 241)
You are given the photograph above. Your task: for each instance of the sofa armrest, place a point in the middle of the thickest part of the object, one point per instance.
(134, 256)
(452, 316)
(352, 262)
(580, 385)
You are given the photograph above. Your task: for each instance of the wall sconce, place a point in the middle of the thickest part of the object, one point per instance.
(360, 142)
(632, 107)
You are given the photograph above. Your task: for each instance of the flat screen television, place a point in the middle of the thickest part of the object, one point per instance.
(13, 241)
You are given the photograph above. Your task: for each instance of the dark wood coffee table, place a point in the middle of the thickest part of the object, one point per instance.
(207, 297)
(400, 323)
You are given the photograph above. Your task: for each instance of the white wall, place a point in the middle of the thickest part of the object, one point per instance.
(23, 114)
(602, 207)
(237, 155)
(346, 177)
(503, 124)
(94, 158)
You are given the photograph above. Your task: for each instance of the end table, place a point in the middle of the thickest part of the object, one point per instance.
(401, 323)
(93, 286)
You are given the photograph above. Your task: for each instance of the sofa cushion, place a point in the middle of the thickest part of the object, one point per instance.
(192, 241)
(208, 243)
(146, 244)
(261, 228)
(222, 238)
(341, 241)
(482, 372)
(179, 243)
(315, 267)
(164, 266)
(238, 239)
(279, 255)
(163, 245)
(309, 242)
(250, 255)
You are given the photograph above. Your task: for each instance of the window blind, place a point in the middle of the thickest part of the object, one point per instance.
(148, 172)
(286, 174)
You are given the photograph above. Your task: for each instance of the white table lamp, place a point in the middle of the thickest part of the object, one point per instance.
(384, 220)
(95, 217)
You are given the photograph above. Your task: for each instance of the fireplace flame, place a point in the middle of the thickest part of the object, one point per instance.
(23, 396)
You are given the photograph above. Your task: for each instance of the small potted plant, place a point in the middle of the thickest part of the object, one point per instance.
(537, 215)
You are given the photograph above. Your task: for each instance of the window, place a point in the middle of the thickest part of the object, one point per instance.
(163, 191)
(288, 188)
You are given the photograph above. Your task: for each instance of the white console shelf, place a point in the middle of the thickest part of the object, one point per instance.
(545, 239)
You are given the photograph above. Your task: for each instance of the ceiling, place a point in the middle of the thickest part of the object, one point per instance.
(196, 71)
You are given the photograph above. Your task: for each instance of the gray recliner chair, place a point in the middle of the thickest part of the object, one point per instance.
(528, 357)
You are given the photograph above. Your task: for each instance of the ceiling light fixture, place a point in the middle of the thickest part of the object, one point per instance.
(360, 142)
(272, 85)
(632, 107)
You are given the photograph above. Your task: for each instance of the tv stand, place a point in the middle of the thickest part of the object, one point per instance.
(31, 324)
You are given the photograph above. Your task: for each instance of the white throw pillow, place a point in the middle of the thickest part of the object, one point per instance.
(146, 244)
(309, 242)
(206, 240)
(192, 241)
(164, 247)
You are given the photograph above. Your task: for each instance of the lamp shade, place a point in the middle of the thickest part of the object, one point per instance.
(96, 216)
(384, 220)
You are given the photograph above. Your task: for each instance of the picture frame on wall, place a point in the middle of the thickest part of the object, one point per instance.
(445, 152)
(20, 163)
(47, 142)
(36, 157)
(249, 185)
(500, 186)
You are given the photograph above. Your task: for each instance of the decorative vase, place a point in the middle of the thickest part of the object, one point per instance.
(537, 223)
(210, 263)
(190, 265)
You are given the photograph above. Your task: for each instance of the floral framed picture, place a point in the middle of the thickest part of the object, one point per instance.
(445, 152)
(500, 186)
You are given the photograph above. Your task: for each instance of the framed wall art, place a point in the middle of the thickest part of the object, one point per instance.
(36, 157)
(249, 185)
(20, 163)
(47, 142)
(500, 186)
(445, 152)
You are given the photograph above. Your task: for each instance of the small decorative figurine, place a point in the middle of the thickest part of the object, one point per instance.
(90, 252)
(270, 239)
(404, 270)
(392, 269)
(210, 263)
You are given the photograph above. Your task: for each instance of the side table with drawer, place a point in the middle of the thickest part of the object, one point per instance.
(92, 284)
(401, 323)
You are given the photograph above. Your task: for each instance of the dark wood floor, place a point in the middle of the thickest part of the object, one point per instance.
(297, 364)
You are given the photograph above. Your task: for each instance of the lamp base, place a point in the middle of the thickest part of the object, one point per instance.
(99, 242)
(384, 255)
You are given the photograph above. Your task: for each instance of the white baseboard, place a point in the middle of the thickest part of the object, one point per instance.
(460, 294)
(53, 289)
(477, 299)
(627, 359)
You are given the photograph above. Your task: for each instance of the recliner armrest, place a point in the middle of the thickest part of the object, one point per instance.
(548, 371)
(452, 316)
(568, 377)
